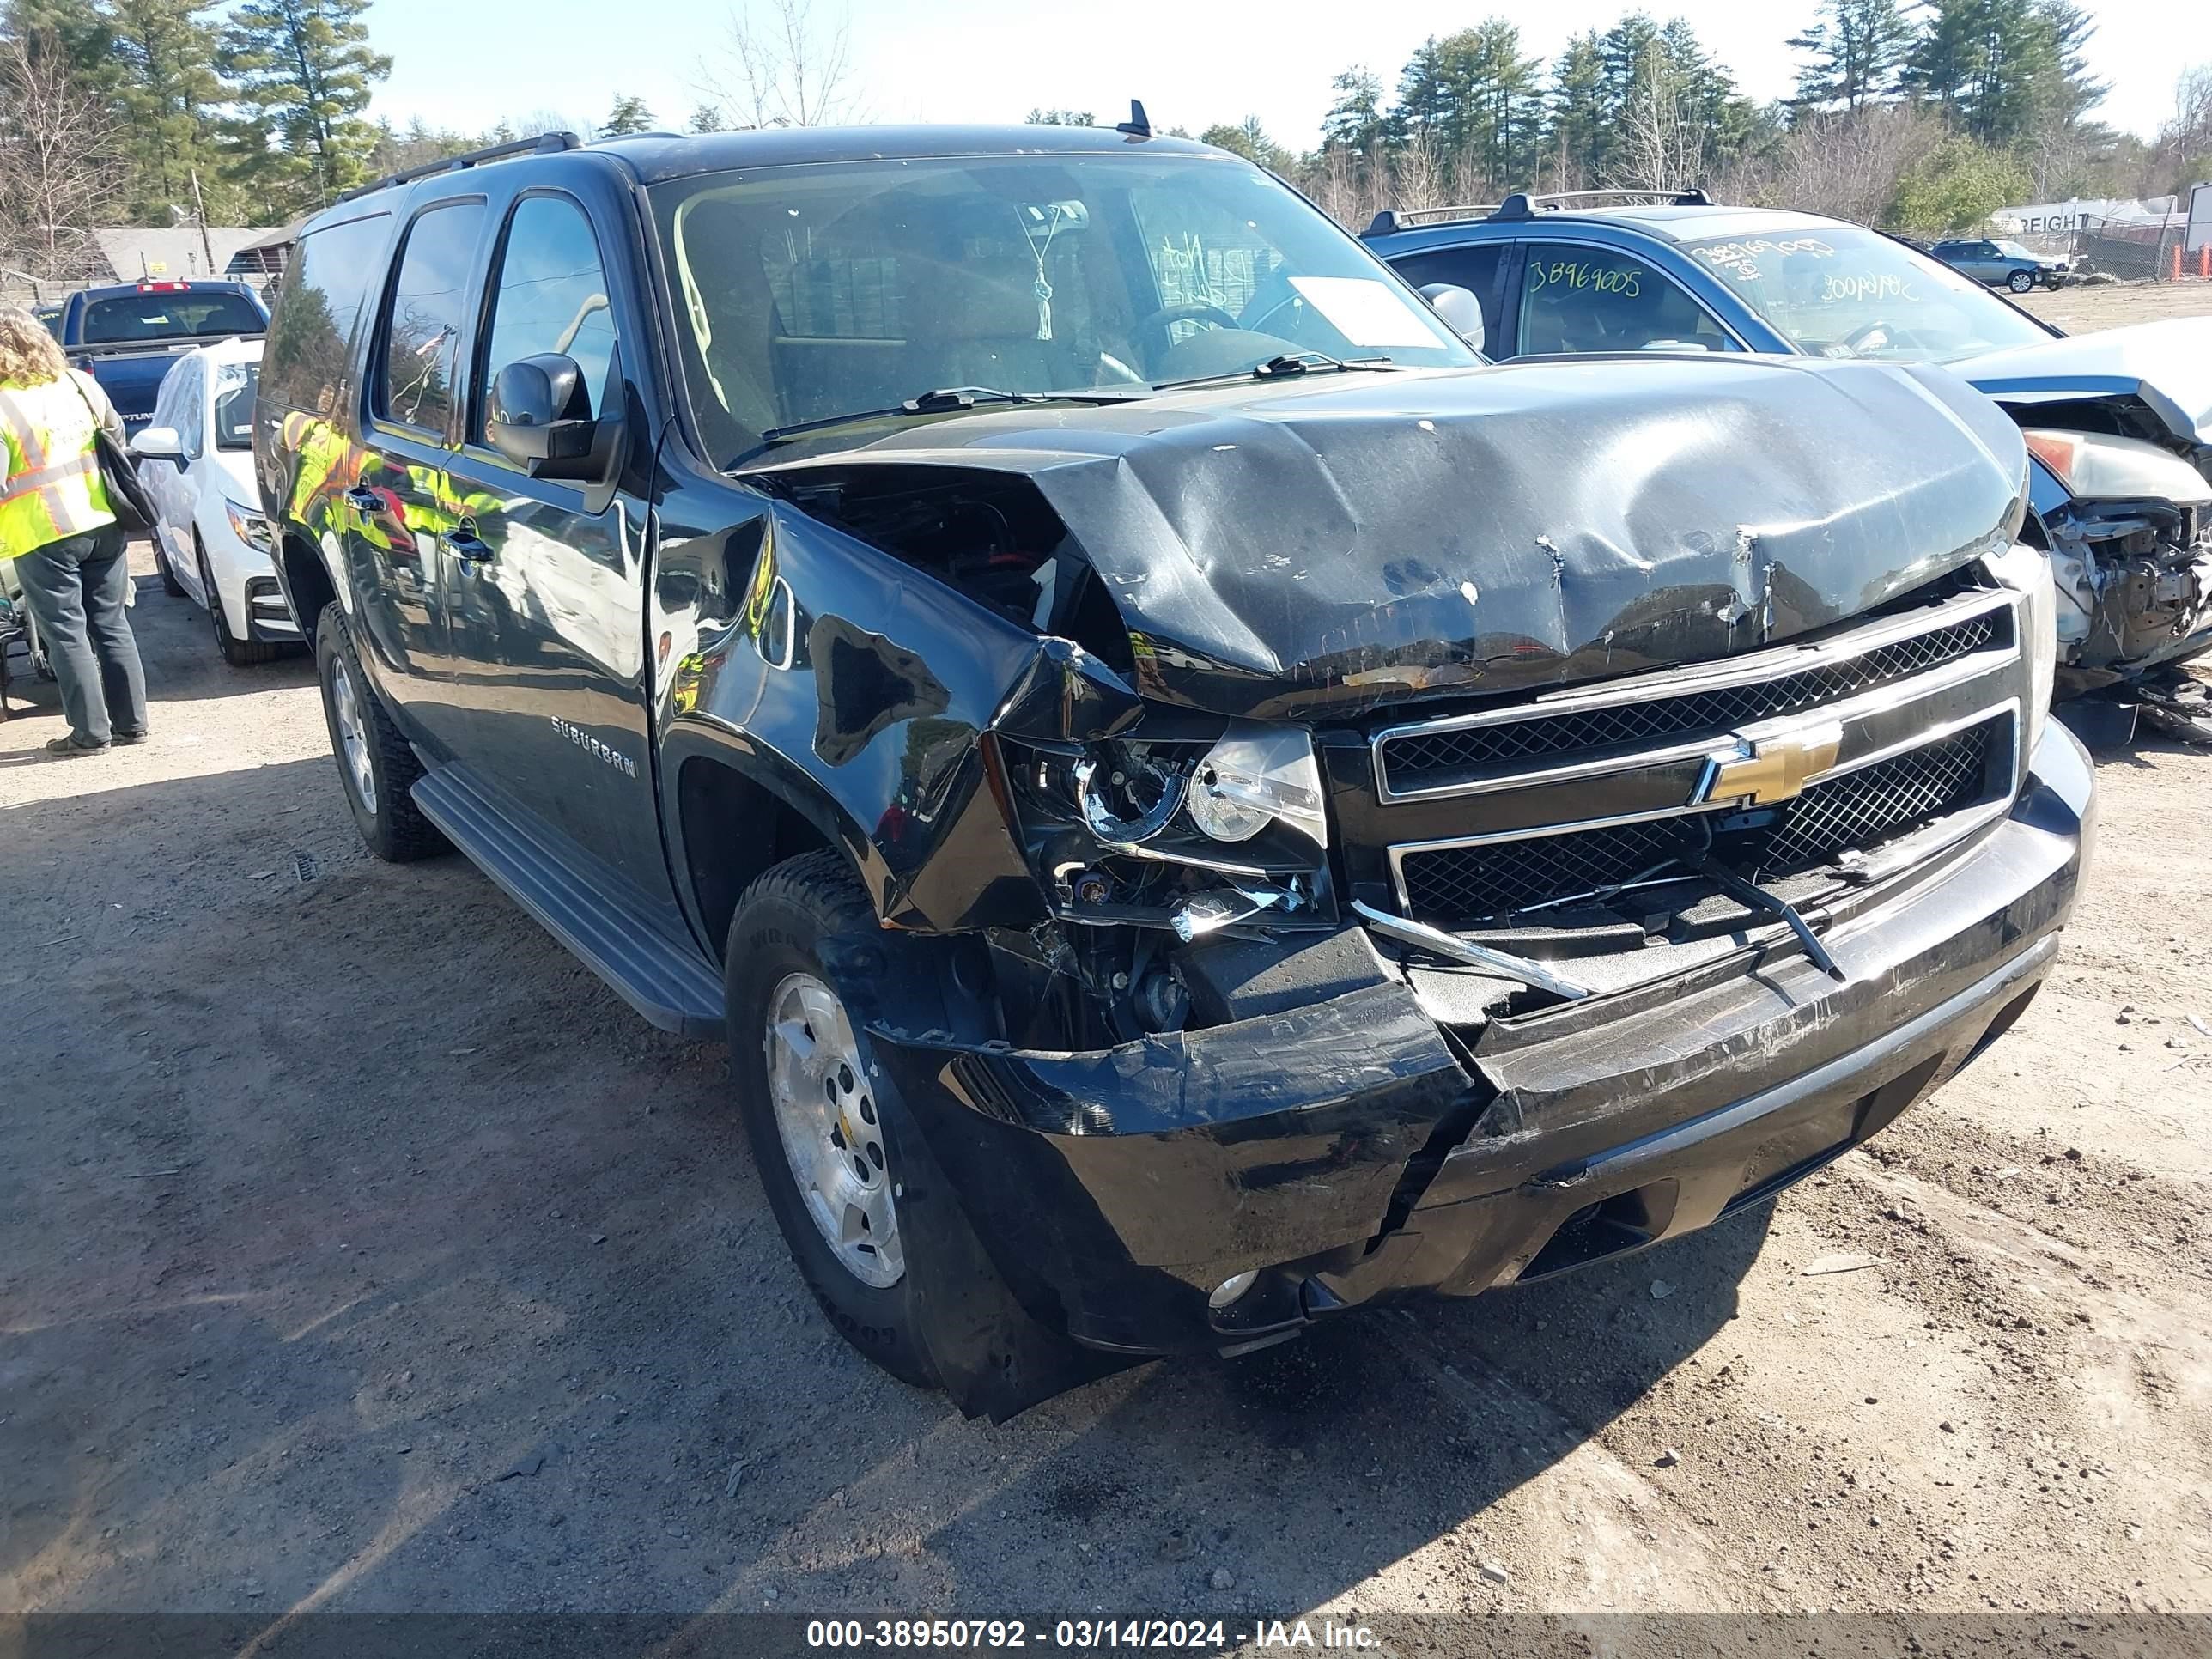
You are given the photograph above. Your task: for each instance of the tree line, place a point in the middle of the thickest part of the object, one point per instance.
(1920, 115)
(1917, 114)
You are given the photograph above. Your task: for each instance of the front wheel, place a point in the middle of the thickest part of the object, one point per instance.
(239, 653)
(376, 765)
(2020, 282)
(163, 568)
(825, 1133)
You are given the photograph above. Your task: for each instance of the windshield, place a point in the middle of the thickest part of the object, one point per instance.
(815, 292)
(2014, 251)
(234, 386)
(169, 316)
(1839, 291)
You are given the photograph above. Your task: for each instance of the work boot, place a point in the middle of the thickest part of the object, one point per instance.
(69, 745)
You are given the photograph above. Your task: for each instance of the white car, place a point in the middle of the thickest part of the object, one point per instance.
(211, 543)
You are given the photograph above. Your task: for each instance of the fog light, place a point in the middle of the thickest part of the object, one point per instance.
(1233, 1287)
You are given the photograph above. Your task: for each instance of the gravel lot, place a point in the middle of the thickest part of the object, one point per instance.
(359, 1251)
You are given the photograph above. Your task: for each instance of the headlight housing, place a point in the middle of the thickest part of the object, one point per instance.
(249, 527)
(1251, 780)
(1160, 827)
(2095, 466)
(2027, 571)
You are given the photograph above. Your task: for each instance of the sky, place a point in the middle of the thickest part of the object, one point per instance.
(467, 66)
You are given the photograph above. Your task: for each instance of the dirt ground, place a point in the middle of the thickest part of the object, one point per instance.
(2084, 310)
(358, 1250)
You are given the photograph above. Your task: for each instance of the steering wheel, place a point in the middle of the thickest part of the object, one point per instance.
(1190, 311)
(1864, 332)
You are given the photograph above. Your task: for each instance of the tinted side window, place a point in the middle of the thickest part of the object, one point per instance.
(552, 297)
(316, 311)
(419, 359)
(1576, 298)
(1474, 268)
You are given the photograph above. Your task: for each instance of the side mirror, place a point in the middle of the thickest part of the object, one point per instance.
(539, 415)
(1460, 310)
(158, 443)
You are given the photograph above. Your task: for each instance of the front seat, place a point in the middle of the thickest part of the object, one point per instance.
(987, 331)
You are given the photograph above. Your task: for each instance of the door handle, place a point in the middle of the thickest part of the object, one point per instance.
(467, 544)
(362, 499)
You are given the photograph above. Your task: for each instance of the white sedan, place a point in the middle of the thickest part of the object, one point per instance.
(211, 543)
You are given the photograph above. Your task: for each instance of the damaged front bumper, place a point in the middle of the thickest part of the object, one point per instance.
(1356, 1148)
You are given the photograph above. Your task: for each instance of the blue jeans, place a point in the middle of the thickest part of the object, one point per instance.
(75, 588)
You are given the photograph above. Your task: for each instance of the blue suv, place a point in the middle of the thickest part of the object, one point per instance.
(2118, 424)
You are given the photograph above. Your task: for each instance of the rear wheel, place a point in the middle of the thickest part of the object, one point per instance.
(376, 765)
(239, 653)
(825, 1133)
(2020, 281)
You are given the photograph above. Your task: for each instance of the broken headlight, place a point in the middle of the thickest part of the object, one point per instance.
(1177, 800)
(2027, 571)
(1251, 780)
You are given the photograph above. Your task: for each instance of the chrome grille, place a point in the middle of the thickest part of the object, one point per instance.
(1466, 886)
(1420, 759)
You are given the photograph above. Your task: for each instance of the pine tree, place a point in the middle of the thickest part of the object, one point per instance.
(1354, 123)
(170, 99)
(301, 71)
(707, 117)
(1578, 129)
(1498, 108)
(1857, 48)
(629, 114)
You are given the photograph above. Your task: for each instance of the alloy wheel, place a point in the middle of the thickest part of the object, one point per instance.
(353, 734)
(832, 1134)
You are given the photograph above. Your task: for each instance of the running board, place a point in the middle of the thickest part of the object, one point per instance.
(665, 980)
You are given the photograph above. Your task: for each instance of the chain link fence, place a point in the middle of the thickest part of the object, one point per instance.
(2137, 253)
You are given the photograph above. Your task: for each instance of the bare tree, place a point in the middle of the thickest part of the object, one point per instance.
(782, 66)
(1663, 145)
(1846, 163)
(60, 168)
(1416, 178)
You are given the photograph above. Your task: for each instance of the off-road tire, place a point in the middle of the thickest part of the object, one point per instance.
(778, 929)
(2021, 281)
(163, 568)
(239, 653)
(394, 829)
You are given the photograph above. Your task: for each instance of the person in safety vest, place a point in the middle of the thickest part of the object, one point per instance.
(56, 524)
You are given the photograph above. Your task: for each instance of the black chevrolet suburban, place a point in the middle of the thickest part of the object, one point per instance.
(1196, 802)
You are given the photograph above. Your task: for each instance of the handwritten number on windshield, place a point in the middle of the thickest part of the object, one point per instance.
(1867, 287)
(1598, 279)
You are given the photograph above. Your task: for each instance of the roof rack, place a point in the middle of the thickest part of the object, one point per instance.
(1524, 206)
(1387, 220)
(545, 143)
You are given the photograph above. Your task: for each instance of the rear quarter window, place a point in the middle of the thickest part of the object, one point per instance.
(320, 302)
(168, 315)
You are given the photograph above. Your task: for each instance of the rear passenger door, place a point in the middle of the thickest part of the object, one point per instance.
(1585, 297)
(545, 578)
(399, 507)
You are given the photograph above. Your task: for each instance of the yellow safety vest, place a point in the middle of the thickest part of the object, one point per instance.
(51, 486)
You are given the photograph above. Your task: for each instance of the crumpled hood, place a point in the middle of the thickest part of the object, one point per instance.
(1352, 539)
(2166, 367)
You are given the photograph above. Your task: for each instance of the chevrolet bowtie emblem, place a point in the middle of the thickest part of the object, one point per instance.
(1769, 766)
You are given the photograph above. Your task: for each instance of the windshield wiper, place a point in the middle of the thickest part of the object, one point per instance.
(942, 400)
(1280, 367)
